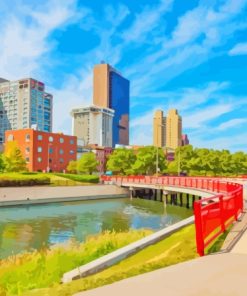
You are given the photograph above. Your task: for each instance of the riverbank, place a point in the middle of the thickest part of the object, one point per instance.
(10, 196)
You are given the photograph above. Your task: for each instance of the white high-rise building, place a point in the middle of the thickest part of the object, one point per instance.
(93, 125)
(23, 104)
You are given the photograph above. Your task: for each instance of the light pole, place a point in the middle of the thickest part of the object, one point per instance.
(48, 164)
(179, 160)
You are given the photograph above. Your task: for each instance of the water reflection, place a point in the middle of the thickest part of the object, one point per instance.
(32, 227)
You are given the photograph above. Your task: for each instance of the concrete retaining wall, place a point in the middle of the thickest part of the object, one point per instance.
(116, 256)
(11, 196)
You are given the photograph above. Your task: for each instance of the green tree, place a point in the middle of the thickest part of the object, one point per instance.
(146, 161)
(121, 161)
(72, 167)
(2, 164)
(13, 159)
(87, 163)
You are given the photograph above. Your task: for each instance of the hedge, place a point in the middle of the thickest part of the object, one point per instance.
(79, 178)
(23, 180)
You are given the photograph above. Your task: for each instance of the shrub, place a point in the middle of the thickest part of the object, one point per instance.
(80, 178)
(7, 180)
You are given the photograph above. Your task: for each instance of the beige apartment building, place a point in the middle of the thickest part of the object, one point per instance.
(93, 125)
(167, 131)
(173, 129)
(159, 129)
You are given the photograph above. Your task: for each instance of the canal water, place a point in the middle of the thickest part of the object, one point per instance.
(25, 228)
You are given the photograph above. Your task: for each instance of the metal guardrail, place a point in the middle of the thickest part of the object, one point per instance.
(212, 215)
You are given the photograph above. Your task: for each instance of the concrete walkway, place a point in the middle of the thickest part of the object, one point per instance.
(214, 275)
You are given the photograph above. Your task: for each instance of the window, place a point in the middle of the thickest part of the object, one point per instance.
(61, 140)
(50, 150)
(39, 149)
(61, 151)
(27, 159)
(27, 149)
(71, 141)
(71, 152)
(50, 139)
(27, 137)
(40, 137)
(61, 160)
(39, 159)
(10, 138)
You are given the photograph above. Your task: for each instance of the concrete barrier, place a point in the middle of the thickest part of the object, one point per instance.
(120, 254)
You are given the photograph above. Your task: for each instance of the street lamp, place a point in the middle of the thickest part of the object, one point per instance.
(48, 165)
(179, 160)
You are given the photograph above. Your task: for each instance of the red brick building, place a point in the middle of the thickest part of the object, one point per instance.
(38, 147)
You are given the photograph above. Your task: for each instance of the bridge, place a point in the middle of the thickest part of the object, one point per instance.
(220, 201)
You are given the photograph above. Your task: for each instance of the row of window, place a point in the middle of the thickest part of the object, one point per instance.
(39, 159)
(40, 149)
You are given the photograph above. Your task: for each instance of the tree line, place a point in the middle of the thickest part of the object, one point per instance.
(187, 160)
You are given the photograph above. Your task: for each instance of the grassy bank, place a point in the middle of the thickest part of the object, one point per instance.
(45, 268)
(178, 247)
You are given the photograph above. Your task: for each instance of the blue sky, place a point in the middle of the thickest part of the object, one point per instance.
(189, 55)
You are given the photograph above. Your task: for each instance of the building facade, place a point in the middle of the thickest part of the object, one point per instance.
(173, 129)
(44, 151)
(23, 104)
(93, 125)
(185, 140)
(111, 90)
(159, 129)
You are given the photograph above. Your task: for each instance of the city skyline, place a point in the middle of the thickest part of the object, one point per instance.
(191, 57)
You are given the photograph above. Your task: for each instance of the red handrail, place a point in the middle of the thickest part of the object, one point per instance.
(212, 215)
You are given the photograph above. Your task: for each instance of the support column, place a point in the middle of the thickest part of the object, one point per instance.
(175, 199)
(181, 199)
(187, 201)
(193, 200)
(131, 192)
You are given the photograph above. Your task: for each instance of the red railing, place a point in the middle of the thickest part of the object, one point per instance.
(212, 215)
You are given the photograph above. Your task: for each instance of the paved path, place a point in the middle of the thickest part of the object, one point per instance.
(214, 275)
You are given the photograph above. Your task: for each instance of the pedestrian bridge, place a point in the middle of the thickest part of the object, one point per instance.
(219, 205)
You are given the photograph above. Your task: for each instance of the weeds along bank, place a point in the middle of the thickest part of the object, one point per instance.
(45, 268)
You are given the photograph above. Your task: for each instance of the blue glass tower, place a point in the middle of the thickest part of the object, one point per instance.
(111, 90)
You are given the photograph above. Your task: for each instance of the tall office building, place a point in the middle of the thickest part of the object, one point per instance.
(111, 90)
(93, 125)
(23, 104)
(173, 129)
(159, 129)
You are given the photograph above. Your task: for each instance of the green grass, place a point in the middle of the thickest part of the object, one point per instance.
(176, 248)
(43, 268)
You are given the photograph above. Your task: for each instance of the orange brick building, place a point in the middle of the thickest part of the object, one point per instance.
(38, 147)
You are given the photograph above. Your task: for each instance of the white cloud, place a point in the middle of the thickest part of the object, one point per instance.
(231, 123)
(146, 21)
(239, 49)
(25, 43)
(196, 119)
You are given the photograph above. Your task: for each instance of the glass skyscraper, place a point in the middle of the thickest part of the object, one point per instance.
(111, 90)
